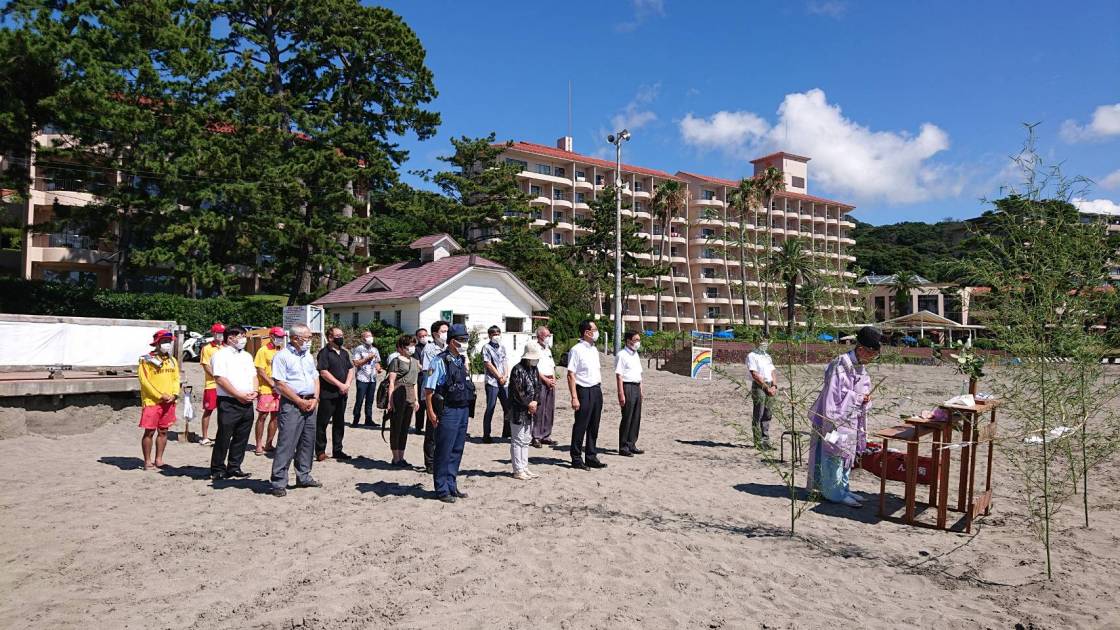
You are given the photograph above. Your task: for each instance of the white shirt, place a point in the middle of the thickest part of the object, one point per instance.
(583, 362)
(546, 366)
(761, 363)
(237, 366)
(628, 365)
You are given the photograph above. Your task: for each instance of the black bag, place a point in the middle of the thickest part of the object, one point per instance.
(382, 397)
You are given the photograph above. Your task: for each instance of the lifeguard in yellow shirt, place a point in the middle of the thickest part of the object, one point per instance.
(159, 389)
(268, 400)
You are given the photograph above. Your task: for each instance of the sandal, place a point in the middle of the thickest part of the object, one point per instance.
(206, 442)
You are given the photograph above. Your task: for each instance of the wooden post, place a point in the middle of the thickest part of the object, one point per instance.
(184, 436)
(883, 480)
(911, 477)
(966, 457)
(943, 471)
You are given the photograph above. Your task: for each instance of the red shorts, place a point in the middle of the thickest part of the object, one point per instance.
(210, 399)
(268, 403)
(159, 416)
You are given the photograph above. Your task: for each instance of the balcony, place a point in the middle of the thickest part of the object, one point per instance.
(541, 177)
(642, 214)
(67, 241)
(706, 203)
(847, 224)
(540, 200)
(561, 203)
(847, 241)
(582, 184)
(563, 225)
(642, 194)
(580, 205)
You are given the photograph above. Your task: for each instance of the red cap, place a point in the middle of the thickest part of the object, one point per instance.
(160, 336)
(219, 327)
(276, 331)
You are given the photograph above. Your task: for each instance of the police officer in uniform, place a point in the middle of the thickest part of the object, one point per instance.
(449, 399)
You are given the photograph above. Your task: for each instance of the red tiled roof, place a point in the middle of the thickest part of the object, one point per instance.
(406, 280)
(784, 193)
(553, 152)
(428, 241)
(799, 158)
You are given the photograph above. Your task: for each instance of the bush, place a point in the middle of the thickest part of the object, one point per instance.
(925, 342)
(29, 297)
(985, 344)
(749, 334)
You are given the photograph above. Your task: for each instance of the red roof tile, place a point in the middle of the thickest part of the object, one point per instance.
(406, 280)
(553, 152)
(428, 241)
(799, 158)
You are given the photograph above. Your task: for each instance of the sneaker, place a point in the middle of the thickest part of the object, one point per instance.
(521, 475)
(343, 457)
(459, 495)
(636, 451)
(311, 483)
(279, 492)
(595, 463)
(535, 443)
(532, 475)
(206, 442)
(851, 501)
(237, 474)
(448, 498)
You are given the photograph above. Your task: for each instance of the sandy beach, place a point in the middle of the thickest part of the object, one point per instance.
(692, 534)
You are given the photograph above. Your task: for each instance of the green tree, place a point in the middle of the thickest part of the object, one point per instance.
(793, 265)
(669, 200)
(811, 294)
(904, 285)
(767, 184)
(742, 201)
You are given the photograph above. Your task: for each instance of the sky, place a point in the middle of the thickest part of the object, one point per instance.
(908, 110)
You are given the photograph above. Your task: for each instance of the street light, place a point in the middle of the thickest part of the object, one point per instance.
(617, 140)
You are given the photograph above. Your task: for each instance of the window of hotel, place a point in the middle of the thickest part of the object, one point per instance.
(581, 175)
(638, 187)
(797, 182)
(557, 239)
(673, 251)
(544, 169)
(657, 229)
(711, 292)
(557, 216)
(708, 272)
(708, 232)
(70, 276)
(638, 207)
(709, 195)
(713, 312)
(708, 253)
(928, 303)
(535, 191)
(579, 217)
(557, 193)
(598, 180)
(580, 198)
(521, 163)
(559, 171)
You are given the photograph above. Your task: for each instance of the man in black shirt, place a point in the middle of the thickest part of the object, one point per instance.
(336, 376)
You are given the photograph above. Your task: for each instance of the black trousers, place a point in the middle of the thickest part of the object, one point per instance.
(235, 422)
(331, 411)
(631, 416)
(421, 414)
(399, 419)
(429, 441)
(585, 432)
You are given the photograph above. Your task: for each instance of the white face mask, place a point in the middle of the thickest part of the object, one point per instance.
(637, 346)
(367, 340)
(240, 343)
(442, 337)
(421, 340)
(764, 348)
(305, 346)
(219, 337)
(165, 347)
(595, 336)
(548, 341)
(411, 350)
(278, 342)
(495, 339)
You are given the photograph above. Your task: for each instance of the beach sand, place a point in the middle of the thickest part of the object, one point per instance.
(692, 534)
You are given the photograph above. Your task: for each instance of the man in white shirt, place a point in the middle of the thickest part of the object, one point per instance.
(546, 393)
(585, 385)
(236, 376)
(764, 386)
(628, 378)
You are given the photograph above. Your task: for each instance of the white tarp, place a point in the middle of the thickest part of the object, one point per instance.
(25, 343)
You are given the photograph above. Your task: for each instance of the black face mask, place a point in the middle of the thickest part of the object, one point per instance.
(337, 341)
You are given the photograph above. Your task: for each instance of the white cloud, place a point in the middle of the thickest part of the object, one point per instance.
(847, 157)
(1112, 180)
(642, 10)
(728, 131)
(636, 114)
(1097, 206)
(1104, 124)
(831, 8)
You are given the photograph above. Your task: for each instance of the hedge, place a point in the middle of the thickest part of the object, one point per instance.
(30, 297)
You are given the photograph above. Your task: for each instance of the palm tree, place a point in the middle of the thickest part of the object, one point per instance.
(793, 265)
(742, 199)
(768, 183)
(905, 283)
(669, 199)
(811, 294)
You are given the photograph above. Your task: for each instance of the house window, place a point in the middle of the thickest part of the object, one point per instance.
(459, 319)
(522, 164)
(535, 191)
(397, 319)
(336, 319)
(709, 195)
(377, 316)
(557, 194)
(515, 324)
(544, 169)
(797, 182)
(580, 198)
(928, 303)
(354, 320)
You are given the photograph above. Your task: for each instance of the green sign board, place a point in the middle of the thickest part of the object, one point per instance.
(446, 315)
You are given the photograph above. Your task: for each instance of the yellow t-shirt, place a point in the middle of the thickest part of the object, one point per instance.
(263, 360)
(156, 381)
(204, 358)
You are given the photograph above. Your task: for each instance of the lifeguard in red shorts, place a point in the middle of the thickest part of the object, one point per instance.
(268, 400)
(159, 389)
(210, 393)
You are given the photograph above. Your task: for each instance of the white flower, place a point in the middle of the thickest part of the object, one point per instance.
(1033, 439)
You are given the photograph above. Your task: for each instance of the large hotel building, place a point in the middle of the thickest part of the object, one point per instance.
(701, 290)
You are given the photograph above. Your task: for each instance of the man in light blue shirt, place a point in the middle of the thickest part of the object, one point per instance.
(497, 390)
(297, 381)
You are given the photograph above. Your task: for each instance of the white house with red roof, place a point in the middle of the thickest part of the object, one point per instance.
(438, 284)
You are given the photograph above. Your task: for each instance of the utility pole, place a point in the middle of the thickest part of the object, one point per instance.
(617, 140)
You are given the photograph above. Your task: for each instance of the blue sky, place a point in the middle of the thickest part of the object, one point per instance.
(908, 109)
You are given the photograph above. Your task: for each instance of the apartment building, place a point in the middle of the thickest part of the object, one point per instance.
(701, 289)
(1112, 225)
(69, 253)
